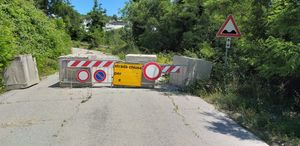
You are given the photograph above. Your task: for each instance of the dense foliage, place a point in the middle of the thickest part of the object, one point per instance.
(268, 49)
(96, 20)
(87, 28)
(62, 9)
(26, 30)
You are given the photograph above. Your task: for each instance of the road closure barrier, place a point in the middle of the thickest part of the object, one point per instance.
(127, 74)
(91, 63)
(82, 72)
(93, 73)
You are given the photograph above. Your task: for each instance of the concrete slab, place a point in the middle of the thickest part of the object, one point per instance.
(21, 73)
(195, 69)
(142, 58)
(67, 76)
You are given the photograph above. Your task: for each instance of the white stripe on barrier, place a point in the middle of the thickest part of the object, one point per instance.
(89, 63)
(165, 69)
(70, 63)
(81, 63)
(175, 69)
(92, 64)
(170, 68)
(102, 64)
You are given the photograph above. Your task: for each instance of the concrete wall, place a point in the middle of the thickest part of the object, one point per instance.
(67, 76)
(21, 73)
(140, 58)
(143, 59)
(193, 69)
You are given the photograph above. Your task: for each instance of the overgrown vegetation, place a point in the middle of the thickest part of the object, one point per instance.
(260, 87)
(26, 30)
(82, 28)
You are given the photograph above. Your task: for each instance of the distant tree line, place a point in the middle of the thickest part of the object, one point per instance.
(80, 27)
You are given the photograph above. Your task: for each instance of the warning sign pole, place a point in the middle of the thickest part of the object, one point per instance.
(228, 44)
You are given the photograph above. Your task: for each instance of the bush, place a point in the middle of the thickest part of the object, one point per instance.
(26, 30)
(278, 59)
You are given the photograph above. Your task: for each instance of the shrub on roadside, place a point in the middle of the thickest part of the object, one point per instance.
(27, 30)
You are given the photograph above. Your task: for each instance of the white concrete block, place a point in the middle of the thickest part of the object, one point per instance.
(21, 73)
(142, 58)
(194, 69)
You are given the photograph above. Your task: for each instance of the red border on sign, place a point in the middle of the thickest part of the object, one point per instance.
(96, 72)
(149, 78)
(238, 33)
(83, 70)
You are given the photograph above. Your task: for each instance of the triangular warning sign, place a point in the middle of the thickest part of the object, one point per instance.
(229, 29)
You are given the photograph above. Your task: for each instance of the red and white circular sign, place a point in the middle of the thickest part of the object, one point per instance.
(152, 71)
(83, 76)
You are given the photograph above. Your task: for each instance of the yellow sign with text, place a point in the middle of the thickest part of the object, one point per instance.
(126, 74)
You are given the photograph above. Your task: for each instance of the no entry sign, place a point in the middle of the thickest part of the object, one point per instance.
(100, 75)
(83, 76)
(152, 71)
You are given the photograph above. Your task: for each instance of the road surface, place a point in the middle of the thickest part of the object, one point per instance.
(46, 115)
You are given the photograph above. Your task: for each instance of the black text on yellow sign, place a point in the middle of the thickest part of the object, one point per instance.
(127, 75)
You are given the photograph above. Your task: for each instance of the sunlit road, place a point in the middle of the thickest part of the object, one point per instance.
(48, 115)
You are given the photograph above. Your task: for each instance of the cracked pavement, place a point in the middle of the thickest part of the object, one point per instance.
(50, 116)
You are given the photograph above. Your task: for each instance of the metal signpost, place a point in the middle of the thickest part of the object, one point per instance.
(229, 30)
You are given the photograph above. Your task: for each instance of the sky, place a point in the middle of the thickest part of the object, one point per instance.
(112, 6)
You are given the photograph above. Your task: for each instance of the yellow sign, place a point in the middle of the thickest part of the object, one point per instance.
(127, 74)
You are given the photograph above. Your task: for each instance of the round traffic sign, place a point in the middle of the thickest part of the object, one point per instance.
(152, 71)
(83, 76)
(100, 75)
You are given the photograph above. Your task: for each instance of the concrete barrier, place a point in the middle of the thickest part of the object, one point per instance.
(196, 69)
(67, 75)
(142, 58)
(21, 73)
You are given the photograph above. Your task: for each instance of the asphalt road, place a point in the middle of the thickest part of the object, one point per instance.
(47, 115)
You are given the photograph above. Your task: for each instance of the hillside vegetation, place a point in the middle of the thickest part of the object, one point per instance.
(26, 30)
(260, 88)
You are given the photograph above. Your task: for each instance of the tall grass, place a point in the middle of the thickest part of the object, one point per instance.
(255, 106)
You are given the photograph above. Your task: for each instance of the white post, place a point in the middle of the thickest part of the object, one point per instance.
(228, 44)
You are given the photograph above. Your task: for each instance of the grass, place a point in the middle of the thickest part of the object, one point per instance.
(165, 58)
(2, 89)
(255, 108)
(79, 44)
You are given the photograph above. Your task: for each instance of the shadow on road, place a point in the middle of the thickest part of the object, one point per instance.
(56, 85)
(224, 125)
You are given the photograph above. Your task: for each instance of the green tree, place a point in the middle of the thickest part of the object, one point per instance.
(168, 26)
(62, 9)
(43, 5)
(96, 20)
(27, 30)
